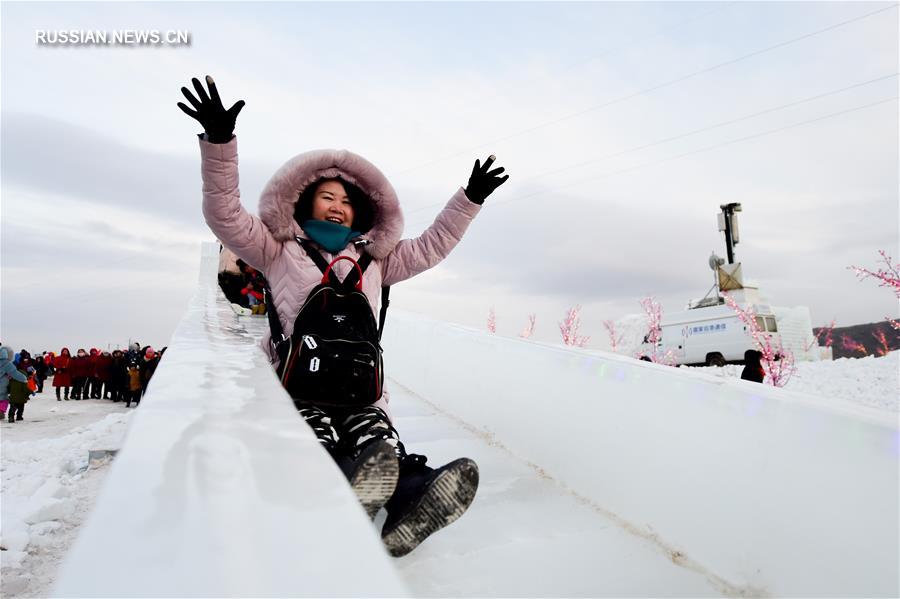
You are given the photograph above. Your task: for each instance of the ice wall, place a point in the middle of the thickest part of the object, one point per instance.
(775, 492)
(221, 490)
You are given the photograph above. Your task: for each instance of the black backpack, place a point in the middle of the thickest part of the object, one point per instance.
(333, 356)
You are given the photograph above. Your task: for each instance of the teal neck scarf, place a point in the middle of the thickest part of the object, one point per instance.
(331, 236)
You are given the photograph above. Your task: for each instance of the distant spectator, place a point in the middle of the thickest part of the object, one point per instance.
(134, 352)
(148, 367)
(23, 360)
(92, 383)
(254, 299)
(254, 281)
(8, 372)
(48, 360)
(19, 392)
(62, 365)
(251, 275)
(134, 384)
(231, 279)
(41, 370)
(753, 369)
(104, 374)
(118, 376)
(81, 369)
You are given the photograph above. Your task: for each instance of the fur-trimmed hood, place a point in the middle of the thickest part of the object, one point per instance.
(280, 195)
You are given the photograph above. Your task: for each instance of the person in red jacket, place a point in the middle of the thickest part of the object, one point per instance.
(254, 298)
(92, 384)
(62, 376)
(81, 369)
(104, 374)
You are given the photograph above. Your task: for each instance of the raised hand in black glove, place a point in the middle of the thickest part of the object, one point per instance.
(217, 122)
(482, 182)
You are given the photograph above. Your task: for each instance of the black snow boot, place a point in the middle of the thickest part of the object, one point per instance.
(373, 475)
(426, 500)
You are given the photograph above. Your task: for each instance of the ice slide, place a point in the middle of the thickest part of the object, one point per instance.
(600, 476)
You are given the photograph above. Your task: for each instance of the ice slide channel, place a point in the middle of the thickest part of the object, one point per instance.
(601, 476)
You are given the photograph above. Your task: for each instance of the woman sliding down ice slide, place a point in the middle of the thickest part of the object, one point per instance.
(328, 239)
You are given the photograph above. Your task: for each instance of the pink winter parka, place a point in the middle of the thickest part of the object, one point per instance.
(268, 242)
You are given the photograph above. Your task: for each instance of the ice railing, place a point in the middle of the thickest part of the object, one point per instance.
(220, 489)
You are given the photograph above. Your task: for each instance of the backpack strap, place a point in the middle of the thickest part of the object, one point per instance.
(274, 323)
(314, 254)
(319, 260)
(354, 274)
(385, 292)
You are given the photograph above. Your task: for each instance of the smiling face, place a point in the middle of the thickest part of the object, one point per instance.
(331, 203)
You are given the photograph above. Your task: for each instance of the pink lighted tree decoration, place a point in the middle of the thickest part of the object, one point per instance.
(614, 339)
(569, 328)
(653, 310)
(778, 362)
(528, 331)
(852, 345)
(492, 321)
(887, 277)
(825, 332)
(883, 347)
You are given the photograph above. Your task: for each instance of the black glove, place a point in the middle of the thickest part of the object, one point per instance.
(217, 122)
(483, 183)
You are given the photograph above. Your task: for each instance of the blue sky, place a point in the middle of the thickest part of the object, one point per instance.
(601, 112)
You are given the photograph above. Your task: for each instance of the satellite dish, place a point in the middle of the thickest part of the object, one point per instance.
(715, 262)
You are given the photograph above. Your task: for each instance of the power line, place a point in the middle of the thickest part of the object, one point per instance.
(710, 127)
(649, 89)
(719, 6)
(687, 134)
(700, 150)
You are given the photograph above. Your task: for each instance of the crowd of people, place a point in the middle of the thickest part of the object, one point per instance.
(119, 375)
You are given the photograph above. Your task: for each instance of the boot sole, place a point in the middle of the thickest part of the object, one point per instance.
(376, 478)
(447, 498)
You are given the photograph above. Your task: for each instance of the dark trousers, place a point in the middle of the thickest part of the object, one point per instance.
(40, 383)
(93, 388)
(100, 389)
(346, 432)
(132, 396)
(57, 392)
(16, 410)
(78, 387)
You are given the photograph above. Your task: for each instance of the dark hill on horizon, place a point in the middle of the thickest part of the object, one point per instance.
(877, 338)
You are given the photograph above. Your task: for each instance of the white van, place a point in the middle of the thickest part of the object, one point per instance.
(713, 335)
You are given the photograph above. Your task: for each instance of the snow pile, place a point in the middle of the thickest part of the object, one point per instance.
(49, 485)
(870, 381)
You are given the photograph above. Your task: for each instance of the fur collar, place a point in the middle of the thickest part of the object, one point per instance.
(276, 204)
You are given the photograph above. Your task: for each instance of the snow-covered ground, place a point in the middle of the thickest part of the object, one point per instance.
(49, 487)
(48, 484)
(869, 381)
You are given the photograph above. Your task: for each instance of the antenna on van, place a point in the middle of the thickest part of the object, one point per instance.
(728, 224)
(714, 263)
